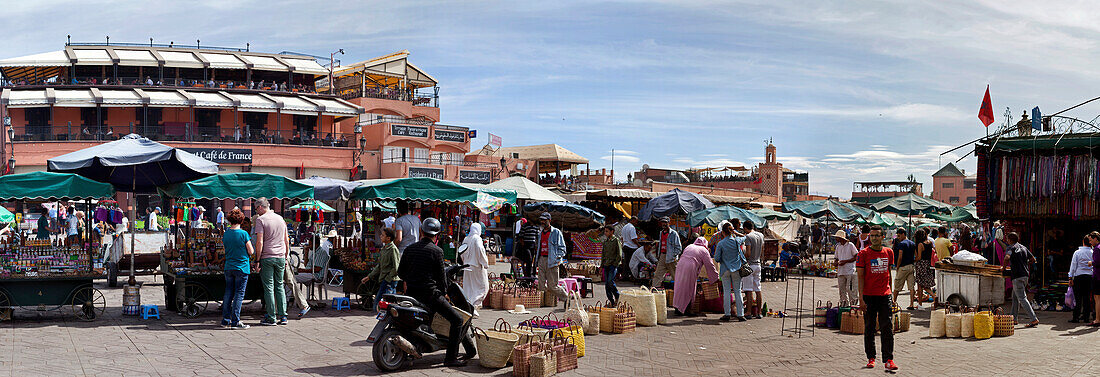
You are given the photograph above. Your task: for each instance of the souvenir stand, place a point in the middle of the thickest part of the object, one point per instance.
(455, 205)
(579, 224)
(47, 275)
(527, 191)
(193, 262)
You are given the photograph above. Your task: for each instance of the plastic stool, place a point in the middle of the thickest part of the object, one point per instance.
(341, 303)
(586, 287)
(150, 311)
(570, 284)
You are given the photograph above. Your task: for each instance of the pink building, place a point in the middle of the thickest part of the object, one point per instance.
(952, 186)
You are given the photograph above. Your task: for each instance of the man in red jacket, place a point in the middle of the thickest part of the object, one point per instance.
(873, 272)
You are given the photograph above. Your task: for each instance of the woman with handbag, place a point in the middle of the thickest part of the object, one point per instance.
(730, 256)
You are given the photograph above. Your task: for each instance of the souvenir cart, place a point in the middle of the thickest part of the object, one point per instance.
(455, 206)
(193, 261)
(51, 275)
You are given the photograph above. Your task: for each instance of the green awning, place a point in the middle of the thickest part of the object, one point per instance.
(827, 208)
(877, 219)
(1056, 141)
(313, 204)
(912, 204)
(771, 214)
(427, 189)
(715, 216)
(6, 216)
(46, 185)
(959, 214)
(239, 186)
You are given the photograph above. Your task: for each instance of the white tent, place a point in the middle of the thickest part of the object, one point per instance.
(526, 190)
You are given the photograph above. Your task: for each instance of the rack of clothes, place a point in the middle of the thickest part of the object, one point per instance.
(1042, 185)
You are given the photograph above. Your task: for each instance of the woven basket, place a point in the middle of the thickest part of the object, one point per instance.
(528, 334)
(668, 298)
(937, 327)
(983, 325)
(441, 326)
(624, 320)
(521, 358)
(549, 299)
(511, 296)
(820, 311)
(574, 333)
(565, 353)
(901, 321)
(851, 322)
(607, 317)
(710, 290)
(953, 325)
(495, 298)
(543, 364)
(967, 325)
(1002, 324)
(659, 298)
(641, 299)
(593, 327)
(532, 297)
(494, 347)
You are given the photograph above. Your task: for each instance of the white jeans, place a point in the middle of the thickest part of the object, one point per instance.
(848, 285)
(731, 283)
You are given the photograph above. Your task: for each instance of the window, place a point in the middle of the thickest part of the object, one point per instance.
(38, 120)
(953, 199)
(456, 158)
(420, 155)
(968, 184)
(394, 154)
(948, 185)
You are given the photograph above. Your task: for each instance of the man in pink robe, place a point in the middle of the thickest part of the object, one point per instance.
(694, 257)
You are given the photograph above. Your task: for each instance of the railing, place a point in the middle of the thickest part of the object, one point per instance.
(437, 161)
(379, 118)
(418, 99)
(161, 45)
(182, 131)
(151, 82)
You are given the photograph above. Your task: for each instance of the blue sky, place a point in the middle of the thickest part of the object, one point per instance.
(849, 90)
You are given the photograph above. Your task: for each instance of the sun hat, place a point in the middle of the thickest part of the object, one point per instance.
(520, 310)
(841, 234)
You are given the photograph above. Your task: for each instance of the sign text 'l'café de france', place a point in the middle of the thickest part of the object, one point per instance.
(223, 155)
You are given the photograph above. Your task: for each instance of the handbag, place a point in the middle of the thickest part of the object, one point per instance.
(744, 270)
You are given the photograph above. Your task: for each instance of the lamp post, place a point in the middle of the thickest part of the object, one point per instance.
(331, 62)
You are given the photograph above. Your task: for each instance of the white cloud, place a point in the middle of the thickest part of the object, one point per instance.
(621, 158)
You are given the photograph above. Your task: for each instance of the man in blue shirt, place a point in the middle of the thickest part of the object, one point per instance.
(730, 257)
(906, 253)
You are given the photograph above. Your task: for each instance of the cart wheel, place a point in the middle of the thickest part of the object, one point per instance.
(364, 297)
(194, 301)
(956, 300)
(87, 303)
(5, 306)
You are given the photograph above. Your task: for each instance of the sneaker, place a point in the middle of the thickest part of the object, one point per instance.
(725, 318)
(741, 319)
(890, 365)
(267, 322)
(454, 363)
(304, 311)
(282, 321)
(870, 363)
(240, 326)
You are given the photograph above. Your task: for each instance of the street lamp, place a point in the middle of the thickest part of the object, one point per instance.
(362, 143)
(331, 62)
(11, 164)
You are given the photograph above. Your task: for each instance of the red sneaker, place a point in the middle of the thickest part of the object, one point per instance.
(890, 365)
(870, 363)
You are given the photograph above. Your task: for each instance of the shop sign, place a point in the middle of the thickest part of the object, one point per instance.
(223, 155)
(473, 176)
(405, 130)
(450, 136)
(425, 173)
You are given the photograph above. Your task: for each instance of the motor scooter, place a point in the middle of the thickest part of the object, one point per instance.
(404, 331)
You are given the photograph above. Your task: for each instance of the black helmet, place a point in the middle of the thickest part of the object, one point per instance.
(430, 226)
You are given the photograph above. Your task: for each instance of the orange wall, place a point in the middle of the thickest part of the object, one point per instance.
(36, 153)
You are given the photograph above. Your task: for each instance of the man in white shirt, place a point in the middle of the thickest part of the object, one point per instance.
(630, 238)
(389, 220)
(151, 224)
(641, 259)
(846, 268)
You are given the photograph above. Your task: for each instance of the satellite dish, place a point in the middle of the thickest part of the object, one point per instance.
(645, 166)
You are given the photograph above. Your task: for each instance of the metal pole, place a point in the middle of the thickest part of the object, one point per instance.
(133, 216)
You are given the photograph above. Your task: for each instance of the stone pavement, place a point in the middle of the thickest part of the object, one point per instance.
(331, 343)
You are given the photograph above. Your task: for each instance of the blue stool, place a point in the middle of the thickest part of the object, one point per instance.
(341, 303)
(150, 311)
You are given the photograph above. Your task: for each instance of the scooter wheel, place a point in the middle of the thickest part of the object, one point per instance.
(387, 356)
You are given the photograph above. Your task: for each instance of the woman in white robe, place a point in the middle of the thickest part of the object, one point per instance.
(475, 280)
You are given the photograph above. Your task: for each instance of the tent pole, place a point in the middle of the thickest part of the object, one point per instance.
(133, 216)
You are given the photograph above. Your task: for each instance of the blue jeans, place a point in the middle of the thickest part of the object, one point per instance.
(386, 287)
(235, 282)
(731, 283)
(1019, 298)
(609, 273)
(271, 274)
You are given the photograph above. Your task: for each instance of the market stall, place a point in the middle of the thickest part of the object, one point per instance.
(192, 263)
(575, 221)
(45, 274)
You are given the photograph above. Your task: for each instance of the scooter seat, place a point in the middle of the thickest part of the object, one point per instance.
(395, 298)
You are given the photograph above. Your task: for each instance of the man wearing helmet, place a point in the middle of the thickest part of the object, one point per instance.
(422, 270)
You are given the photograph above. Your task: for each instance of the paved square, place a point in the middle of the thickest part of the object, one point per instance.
(332, 343)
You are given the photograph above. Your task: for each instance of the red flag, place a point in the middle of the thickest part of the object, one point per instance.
(758, 180)
(985, 113)
(302, 171)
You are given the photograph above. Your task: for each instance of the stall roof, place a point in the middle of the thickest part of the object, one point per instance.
(545, 152)
(526, 189)
(425, 189)
(46, 185)
(300, 104)
(239, 186)
(389, 70)
(641, 195)
(722, 199)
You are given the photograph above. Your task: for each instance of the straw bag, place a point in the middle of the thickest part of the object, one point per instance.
(575, 312)
(696, 305)
(659, 305)
(531, 297)
(593, 326)
(607, 317)
(820, 312)
(575, 333)
(549, 299)
(441, 326)
(937, 327)
(543, 364)
(495, 298)
(522, 355)
(967, 325)
(901, 321)
(528, 334)
(668, 298)
(953, 325)
(494, 347)
(857, 320)
(549, 322)
(832, 316)
(710, 290)
(510, 296)
(1002, 324)
(565, 353)
(983, 325)
(624, 320)
(641, 300)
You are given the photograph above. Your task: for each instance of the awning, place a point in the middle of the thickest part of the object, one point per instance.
(223, 61)
(239, 186)
(45, 185)
(45, 59)
(24, 98)
(297, 106)
(180, 59)
(337, 108)
(264, 63)
(74, 98)
(211, 100)
(142, 58)
(255, 102)
(120, 98)
(162, 98)
(306, 66)
(92, 57)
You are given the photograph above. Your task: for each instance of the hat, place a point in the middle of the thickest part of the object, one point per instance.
(520, 310)
(841, 234)
(545, 216)
(665, 219)
(330, 234)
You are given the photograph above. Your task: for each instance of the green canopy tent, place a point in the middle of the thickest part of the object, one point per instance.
(313, 204)
(435, 190)
(6, 216)
(829, 208)
(239, 186)
(771, 214)
(44, 185)
(876, 219)
(910, 204)
(959, 214)
(714, 216)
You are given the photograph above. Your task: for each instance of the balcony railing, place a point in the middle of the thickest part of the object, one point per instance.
(437, 161)
(131, 82)
(378, 118)
(183, 132)
(417, 99)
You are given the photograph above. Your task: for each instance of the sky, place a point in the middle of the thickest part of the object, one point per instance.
(848, 90)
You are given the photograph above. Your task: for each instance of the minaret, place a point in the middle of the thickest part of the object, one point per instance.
(771, 172)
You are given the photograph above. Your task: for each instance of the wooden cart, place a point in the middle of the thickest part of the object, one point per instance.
(74, 295)
(959, 285)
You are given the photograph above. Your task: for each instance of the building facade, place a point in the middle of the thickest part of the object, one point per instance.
(873, 192)
(768, 177)
(951, 185)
